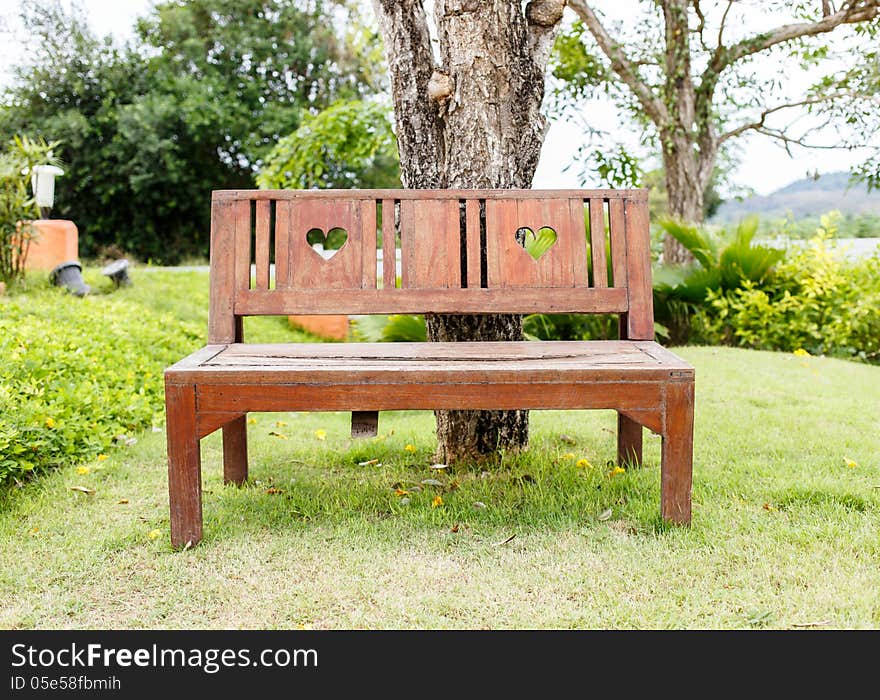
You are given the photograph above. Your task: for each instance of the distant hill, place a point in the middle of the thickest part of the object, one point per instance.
(807, 197)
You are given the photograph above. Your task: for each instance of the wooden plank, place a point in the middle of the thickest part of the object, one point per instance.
(389, 246)
(578, 243)
(507, 263)
(368, 243)
(640, 316)
(243, 235)
(403, 195)
(282, 245)
(434, 250)
(414, 301)
(472, 229)
(677, 453)
(261, 243)
(554, 268)
(184, 465)
(235, 459)
(407, 243)
(405, 395)
(597, 243)
(617, 222)
(221, 323)
(194, 359)
(629, 441)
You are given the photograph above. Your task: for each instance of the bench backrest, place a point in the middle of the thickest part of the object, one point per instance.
(459, 251)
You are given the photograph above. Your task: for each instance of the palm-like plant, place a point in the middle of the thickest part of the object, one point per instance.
(725, 259)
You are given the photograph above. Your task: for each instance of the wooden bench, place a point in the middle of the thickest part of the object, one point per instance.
(461, 251)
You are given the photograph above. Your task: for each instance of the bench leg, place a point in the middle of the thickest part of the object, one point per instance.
(184, 465)
(629, 441)
(677, 454)
(235, 460)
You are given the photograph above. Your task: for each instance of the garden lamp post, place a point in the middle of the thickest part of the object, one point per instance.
(43, 185)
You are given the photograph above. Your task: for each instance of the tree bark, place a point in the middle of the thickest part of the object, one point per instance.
(471, 121)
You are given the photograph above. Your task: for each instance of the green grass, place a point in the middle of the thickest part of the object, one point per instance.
(785, 533)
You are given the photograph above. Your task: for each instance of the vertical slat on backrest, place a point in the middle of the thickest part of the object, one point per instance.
(618, 241)
(261, 243)
(430, 244)
(389, 249)
(221, 319)
(597, 243)
(578, 243)
(368, 243)
(472, 232)
(640, 317)
(407, 242)
(501, 220)
(282, 243)
(243, 245)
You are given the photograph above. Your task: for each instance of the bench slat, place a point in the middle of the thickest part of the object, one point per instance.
(597, 243)
(444, 301)
(474, 256)
(389, 245)
(261, 244)
(640, 316)
(402, 195)
(617, 224)
(368, 243)
(221, 321)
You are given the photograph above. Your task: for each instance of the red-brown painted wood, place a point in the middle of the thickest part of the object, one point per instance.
(677, 453)
(282, 249)
(389, 245)
(597, 243)
(280, 195)
(368, 248)
(617, 224)
(261, 244)
(184, 465)
(629, 441)
(474, 264)
(221, 322)
(640, 315)
(235, 459)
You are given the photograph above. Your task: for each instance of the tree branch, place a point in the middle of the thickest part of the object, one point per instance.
(620, 62)
(543, 18)
(788, 141)
(759, 123)
(851, 12)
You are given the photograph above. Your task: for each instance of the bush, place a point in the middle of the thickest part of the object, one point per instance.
(817, 300)
(78, 373)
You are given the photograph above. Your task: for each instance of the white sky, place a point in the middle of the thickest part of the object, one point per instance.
(764, 166)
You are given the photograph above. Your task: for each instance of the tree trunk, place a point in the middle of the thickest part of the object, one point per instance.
(471, 121)
(684, 189)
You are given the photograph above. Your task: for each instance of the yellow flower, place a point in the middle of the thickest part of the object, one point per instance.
(851, 463)
(410, 448)
(567, 455)
(800, 352)
(321, 434)
(583, 463)
(252, 421)
(50, 422)
(617, 470)
(82, 470)
(101, 458)
(280, 424)
(400, 492)
(438, 501)
(153, 534)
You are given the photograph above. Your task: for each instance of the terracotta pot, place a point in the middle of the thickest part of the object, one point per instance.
(332, 327)
(53, 242)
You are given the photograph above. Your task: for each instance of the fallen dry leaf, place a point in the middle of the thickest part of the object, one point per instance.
(272, 491)
(454, 528)
(439, 466)
(818, 623)
(82, 489)
(122, 502)
(431, 482)
(479, 504)
(605, 514)
(369, 463)
(567, 439)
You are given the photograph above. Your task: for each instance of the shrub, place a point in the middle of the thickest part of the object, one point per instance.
(78, 373)
(817, 300)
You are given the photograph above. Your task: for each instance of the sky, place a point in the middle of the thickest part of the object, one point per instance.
(764, 166)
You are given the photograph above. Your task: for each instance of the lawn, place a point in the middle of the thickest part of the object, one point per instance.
(786, 528)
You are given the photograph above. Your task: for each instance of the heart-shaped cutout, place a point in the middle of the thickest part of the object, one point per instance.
(327, 245)
(536, 244)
